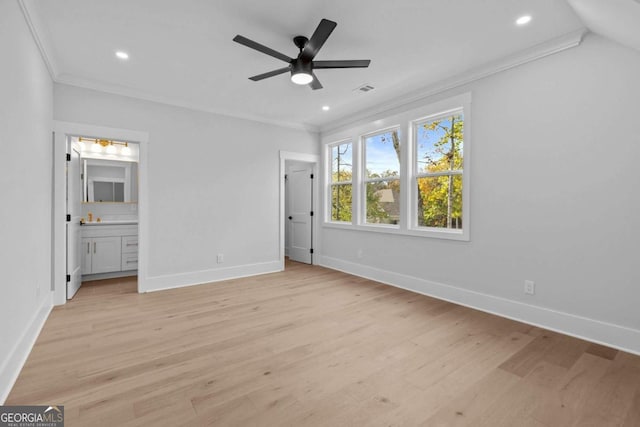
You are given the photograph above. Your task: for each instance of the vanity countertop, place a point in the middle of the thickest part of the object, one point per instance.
(113, 222)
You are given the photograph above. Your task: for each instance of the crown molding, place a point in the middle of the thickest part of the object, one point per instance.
(69, 80)
(44, 46)
(533, 53)
(43, 43)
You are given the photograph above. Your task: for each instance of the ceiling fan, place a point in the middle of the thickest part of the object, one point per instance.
(302, 66)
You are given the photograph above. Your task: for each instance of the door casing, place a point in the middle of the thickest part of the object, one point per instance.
(62, 131)
(313, 159)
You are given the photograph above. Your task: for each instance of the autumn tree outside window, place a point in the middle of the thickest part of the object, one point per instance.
(438, 169)
(341, 182)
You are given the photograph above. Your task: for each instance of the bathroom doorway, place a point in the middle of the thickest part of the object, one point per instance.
(99, 200)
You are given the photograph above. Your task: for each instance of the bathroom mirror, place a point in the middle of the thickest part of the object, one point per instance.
(110, 181)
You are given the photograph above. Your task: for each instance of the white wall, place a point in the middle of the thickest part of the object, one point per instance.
(213, 184)
(554, 199)
(25, 183)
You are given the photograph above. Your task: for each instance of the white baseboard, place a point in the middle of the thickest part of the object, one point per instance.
(616, 336)
(160, 283)
(16, 359)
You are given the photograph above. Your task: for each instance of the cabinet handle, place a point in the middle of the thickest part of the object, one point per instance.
(133, 261)
(94, 247)
(88, 247)
(132, 244)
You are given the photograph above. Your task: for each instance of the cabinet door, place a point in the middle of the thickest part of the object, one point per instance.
(86, 247)
(106, 254)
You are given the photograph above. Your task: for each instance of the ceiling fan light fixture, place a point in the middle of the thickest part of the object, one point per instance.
(301, 78)
(301, 72)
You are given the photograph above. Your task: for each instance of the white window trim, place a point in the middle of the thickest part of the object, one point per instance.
(437, 232)
(362, 220)
(408, 191)
(329, 173)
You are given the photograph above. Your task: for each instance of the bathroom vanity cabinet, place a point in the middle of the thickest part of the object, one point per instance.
(109, 248)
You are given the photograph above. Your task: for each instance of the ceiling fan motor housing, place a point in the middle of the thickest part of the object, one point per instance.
(300, 41)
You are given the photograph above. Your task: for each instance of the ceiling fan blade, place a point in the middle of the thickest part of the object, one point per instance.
(315, 83)
(261, 48)
(269, 74)
(356, 63)
(322, 33)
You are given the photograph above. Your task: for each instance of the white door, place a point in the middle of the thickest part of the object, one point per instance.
(300, 213)
(74, 212)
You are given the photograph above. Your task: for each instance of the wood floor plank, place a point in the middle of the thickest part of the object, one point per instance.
(312, 346)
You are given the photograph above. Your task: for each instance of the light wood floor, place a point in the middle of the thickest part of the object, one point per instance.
(312, 346)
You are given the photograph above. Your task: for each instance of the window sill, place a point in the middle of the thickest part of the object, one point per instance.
(431, 233)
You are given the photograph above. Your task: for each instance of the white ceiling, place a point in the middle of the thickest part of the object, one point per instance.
(618, 20)
(182, 53)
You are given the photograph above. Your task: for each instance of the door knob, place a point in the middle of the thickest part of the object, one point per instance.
(290, 217)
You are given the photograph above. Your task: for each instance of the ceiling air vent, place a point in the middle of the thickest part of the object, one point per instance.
(364, 88)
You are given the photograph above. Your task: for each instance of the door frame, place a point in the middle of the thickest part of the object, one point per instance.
(63, 130)
(312, 159)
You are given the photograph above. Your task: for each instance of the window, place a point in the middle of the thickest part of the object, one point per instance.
(382, 178)
(341, 182)
(438, 170)
(407, 174)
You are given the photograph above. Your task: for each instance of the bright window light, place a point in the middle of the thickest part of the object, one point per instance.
(325, 108)
(523, 20)
(122, 55)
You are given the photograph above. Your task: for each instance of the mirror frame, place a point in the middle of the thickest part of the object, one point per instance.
(87, 183)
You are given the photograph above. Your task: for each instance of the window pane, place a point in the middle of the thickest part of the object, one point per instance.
(103, 191)
(439, 144)
(118, 191)
(341, 197)
(383, 202)
(341, 163)
(383, 155)
(440, 201)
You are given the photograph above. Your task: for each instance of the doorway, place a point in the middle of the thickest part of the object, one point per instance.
(72, 206)
(298, 232)
(298, 197)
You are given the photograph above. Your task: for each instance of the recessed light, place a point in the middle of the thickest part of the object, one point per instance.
(122, 55)
(325, 108)
(523, 20)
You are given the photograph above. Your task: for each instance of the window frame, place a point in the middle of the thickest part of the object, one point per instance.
(404, 121)
(366, 180)
(331, 184)
(416, 175)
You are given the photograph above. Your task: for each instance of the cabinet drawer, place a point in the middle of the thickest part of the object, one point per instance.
(129, 244)
(129, 262)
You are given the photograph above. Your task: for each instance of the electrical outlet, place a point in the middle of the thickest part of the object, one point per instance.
(529, 287)
(220, 258)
